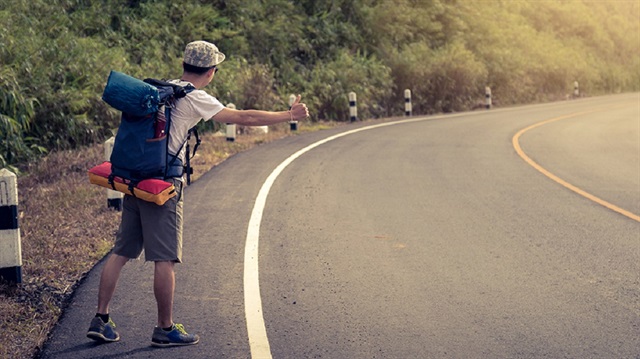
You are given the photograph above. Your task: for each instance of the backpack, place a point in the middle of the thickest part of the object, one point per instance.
(140, 149)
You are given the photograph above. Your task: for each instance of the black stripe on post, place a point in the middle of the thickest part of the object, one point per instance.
(115, 203)
(352, 103)
(11, 274)
(9, 217)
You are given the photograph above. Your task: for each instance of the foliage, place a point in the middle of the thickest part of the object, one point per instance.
(329, 85)
(446, 79)
(15, 117)
(55, 56)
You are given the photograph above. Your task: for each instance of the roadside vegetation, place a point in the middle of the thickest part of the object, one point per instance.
(55, 56)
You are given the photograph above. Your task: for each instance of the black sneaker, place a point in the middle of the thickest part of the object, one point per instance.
(103, 332)
(176, 336)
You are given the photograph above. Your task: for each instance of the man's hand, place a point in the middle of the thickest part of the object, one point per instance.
(298, 111)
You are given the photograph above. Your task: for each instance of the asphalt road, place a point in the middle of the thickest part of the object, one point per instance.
(432, 238)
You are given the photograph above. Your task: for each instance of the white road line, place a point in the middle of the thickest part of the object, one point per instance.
(258, 340)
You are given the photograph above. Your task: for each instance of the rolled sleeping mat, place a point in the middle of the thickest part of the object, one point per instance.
(150, 190)
(130, 95)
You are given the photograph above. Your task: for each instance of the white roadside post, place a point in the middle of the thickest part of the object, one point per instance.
(576, 89)
(487, 95)
(114, 198)
(293, 125)
(407, 103)
(231, 127)
(353, 107)
(10, 250)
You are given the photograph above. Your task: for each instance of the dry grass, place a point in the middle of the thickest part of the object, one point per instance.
(66, 229)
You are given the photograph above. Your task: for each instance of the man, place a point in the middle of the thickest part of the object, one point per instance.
(158, 229)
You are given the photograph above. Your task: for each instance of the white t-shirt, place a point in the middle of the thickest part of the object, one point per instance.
(197, 105)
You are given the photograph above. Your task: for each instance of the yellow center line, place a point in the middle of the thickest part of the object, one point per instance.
(600, 201)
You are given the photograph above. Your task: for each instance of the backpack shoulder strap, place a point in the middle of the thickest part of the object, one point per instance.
(189, 156)
(178, 90)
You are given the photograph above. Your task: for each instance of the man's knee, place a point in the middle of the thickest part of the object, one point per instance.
(118, 260)
(164, 265)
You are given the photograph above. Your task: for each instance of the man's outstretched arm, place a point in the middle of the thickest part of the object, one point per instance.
(297, 112)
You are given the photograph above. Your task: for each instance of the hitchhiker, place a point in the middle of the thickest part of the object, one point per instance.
(158, 229)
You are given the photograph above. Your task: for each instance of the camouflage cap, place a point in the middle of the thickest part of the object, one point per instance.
(202, 54)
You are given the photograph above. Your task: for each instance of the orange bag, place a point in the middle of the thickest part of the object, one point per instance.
(150, 190)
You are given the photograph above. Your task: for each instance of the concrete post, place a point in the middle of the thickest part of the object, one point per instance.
(353, 107)
(293, 125)
(10, 248)
(114, 198)
(487, 95)
(576, 89)
(231, 127)
(407, 103)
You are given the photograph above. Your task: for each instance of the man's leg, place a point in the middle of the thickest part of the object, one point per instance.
(167, 333)
(163, 287)
(166, 227)
(109, 280)
(102, 328)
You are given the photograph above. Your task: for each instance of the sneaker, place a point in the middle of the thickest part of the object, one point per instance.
(103, 332)
(176, 336)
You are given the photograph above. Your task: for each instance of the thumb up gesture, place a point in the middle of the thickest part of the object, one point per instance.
(298, 110)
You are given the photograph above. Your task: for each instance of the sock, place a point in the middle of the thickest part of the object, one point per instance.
(168, 329)
(104, 317)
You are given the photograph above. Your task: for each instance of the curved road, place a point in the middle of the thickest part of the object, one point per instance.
(428, 238)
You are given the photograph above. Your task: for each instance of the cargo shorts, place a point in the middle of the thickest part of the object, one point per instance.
(156, 229)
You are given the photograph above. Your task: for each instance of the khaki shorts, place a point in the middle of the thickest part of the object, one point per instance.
(156, 229)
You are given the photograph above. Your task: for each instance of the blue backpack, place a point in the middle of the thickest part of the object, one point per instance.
(141, 150)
